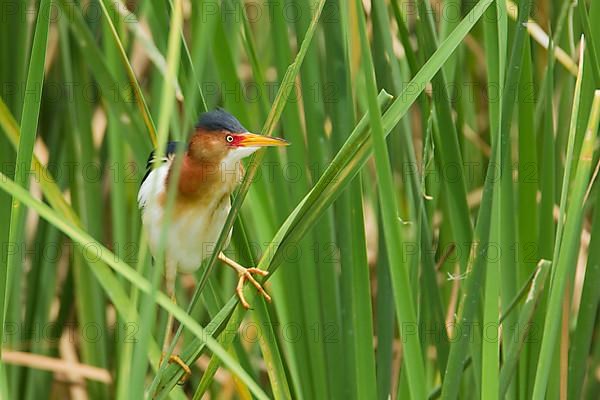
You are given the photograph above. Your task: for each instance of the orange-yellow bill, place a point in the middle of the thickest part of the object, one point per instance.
(254, 140)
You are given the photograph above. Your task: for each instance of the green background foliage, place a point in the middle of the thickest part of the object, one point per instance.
(431, 231)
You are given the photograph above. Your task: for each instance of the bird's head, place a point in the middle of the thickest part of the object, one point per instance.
(219, 136)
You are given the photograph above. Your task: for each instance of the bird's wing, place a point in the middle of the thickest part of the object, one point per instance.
(153, 170)
(152, 159)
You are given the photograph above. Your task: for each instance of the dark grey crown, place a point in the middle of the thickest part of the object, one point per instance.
(219, 120)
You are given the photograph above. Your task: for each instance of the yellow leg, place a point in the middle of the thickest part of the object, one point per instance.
(170, 276)
(245, 274)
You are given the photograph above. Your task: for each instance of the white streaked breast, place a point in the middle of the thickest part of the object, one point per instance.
(192, 232)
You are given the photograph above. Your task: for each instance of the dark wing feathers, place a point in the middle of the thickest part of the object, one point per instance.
(170, 152)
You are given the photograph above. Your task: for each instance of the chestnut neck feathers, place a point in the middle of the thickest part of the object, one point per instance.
(205, 168)
(209, 167)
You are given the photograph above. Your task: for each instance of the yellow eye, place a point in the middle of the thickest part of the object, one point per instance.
(229, 138)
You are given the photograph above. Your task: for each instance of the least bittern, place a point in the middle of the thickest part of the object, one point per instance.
(210, 170)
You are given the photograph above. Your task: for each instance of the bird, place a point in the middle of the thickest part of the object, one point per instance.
(211, 169)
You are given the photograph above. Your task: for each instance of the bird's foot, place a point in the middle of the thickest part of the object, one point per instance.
(175, 359)
(245, 274)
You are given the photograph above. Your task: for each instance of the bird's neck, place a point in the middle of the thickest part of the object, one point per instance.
(200, 178)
